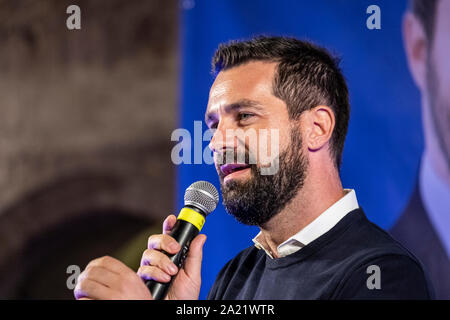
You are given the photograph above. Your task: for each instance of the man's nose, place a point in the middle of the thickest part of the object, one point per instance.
(222, 139)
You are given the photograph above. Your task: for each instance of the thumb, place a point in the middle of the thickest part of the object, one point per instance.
(193, 263)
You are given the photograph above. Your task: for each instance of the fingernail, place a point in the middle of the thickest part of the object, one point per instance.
(174, 246)
(172, 268)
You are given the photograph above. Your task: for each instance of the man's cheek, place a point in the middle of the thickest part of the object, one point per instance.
(268, 152)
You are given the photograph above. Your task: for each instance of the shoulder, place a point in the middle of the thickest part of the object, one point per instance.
(386, 276)
(367, 241)
(375, 252)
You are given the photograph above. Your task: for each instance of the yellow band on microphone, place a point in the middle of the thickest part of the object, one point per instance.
(193, 217)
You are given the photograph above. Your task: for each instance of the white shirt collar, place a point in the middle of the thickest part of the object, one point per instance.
(435, 194)
(322, 224)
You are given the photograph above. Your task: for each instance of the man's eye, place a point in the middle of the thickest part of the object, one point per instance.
(244, 116)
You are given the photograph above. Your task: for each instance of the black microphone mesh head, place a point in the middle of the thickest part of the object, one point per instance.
(202, 195)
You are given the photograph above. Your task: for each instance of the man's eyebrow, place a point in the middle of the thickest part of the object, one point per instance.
(244, 103)
(235, 106)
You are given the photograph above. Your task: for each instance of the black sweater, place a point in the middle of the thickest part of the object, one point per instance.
(334, 266)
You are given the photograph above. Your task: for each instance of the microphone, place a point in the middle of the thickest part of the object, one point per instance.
(200, 199)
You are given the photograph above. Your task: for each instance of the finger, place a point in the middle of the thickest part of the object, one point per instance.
(110, 264)
(193, 263)
(158, 259)
(163, 242)
(100, 275)
(153, 273)
(92, 289)
(169, 223)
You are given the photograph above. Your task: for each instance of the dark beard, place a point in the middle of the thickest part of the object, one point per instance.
(259, 199)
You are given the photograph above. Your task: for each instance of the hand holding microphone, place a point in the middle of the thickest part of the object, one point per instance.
(162, 263)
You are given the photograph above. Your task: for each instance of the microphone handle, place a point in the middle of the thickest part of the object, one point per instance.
(183, 232)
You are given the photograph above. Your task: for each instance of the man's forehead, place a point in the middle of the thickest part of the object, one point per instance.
(220, 88)
(242, 82)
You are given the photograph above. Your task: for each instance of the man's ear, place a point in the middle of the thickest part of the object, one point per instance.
(416, 47)
(320, 122)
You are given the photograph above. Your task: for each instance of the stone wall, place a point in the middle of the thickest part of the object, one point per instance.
(85, 123)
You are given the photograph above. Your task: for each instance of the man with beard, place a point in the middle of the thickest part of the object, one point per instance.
(315, 241)
(424, 226)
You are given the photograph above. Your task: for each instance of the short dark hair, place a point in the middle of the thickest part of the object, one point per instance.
(307, 76)
(425, 11)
